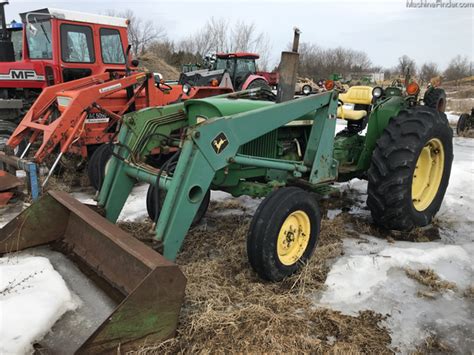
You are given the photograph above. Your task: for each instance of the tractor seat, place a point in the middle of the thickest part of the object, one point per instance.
(356, 95)
(349, 114)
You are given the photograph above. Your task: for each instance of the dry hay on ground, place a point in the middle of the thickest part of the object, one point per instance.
(432, 345)
(156, 64)
(429, 278)
(364, 225)
(228, 309)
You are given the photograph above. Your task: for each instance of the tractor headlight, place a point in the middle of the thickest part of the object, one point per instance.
(377, 92)
(186, 89)
(63, 101)
(306, 90)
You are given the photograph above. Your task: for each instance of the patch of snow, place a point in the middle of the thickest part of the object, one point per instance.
(371, 273)
(452, 118)
(29, 309)
(371, 276)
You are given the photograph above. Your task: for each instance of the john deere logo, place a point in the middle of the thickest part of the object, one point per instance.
(220, 143)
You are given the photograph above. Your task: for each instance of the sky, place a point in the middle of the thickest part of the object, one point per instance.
(384, 29)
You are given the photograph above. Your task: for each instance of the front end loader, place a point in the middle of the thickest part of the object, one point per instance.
(133, 296)
(74, 119)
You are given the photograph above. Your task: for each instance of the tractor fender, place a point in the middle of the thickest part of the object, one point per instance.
(250, 79)
(379, 118)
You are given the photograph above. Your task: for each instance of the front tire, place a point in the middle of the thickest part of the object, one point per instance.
(464, 123)
(306, 90)
(410, 169)
(284, 233)
(96, 168)
(152, 205)
(6, 130)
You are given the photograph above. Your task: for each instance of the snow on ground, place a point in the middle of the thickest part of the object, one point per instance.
(371, 274)
(452, 118)
(33, 296)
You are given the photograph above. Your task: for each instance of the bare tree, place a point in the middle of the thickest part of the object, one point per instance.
(318, 63)
(405, 63)
(428, 71)
(458, 68)
(141, 34)
(218, 36)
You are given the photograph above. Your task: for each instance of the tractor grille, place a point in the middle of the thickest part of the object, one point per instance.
(264, 146)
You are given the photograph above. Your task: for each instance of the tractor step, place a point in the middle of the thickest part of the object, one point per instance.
(131, 294)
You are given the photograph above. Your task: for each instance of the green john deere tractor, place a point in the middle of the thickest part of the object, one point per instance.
(282, 151)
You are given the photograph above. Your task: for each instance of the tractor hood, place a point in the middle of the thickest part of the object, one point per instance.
(22, 75)
(204, 109)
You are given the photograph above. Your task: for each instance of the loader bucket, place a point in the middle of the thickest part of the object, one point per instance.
(135, 294)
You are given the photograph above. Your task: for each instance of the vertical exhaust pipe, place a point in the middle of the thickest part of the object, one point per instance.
(289, 70)
(7, 54)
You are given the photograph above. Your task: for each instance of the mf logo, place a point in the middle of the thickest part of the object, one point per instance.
(27, 74)
(220, 143)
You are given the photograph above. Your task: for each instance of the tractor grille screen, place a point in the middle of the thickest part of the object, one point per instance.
(265, 146)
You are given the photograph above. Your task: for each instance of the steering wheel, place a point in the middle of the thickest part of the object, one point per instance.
(164, 87)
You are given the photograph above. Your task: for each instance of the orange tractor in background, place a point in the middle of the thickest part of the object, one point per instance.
(78, 69)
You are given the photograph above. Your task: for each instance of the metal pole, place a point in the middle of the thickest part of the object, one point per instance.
(52, 169)
(26, 149)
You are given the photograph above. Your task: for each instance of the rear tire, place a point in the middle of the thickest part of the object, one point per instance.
(6, 130)
(259, 83)
(436, 99)
(284, 233)
(96, 168)
(410, 169)
(151, 204)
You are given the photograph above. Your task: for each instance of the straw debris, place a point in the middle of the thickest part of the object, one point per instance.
(429, 278)
(228, 309)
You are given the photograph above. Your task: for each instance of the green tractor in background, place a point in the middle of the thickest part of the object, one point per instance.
(282, 151)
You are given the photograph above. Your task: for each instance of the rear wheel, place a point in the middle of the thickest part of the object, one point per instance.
(96, 168)
(259, 83)
(410, 169)
(436, 99)
(152, 204)
(6, 130)
(283, 233)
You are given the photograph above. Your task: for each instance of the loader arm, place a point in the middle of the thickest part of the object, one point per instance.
(58, 116)
(206, 148)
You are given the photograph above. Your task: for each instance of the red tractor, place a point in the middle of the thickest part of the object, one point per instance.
(50, 47)
(237, 71)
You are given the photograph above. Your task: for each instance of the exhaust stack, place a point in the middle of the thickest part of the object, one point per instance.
(7, 54)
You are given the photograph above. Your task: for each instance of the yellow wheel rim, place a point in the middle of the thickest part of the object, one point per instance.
(293, 237)
(428, 174)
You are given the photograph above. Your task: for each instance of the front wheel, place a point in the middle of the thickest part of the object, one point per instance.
(154, 208)
(6, 130)
(410, 169)
(97, 165)
(465, 123)
(283, 233)
(306, 90)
